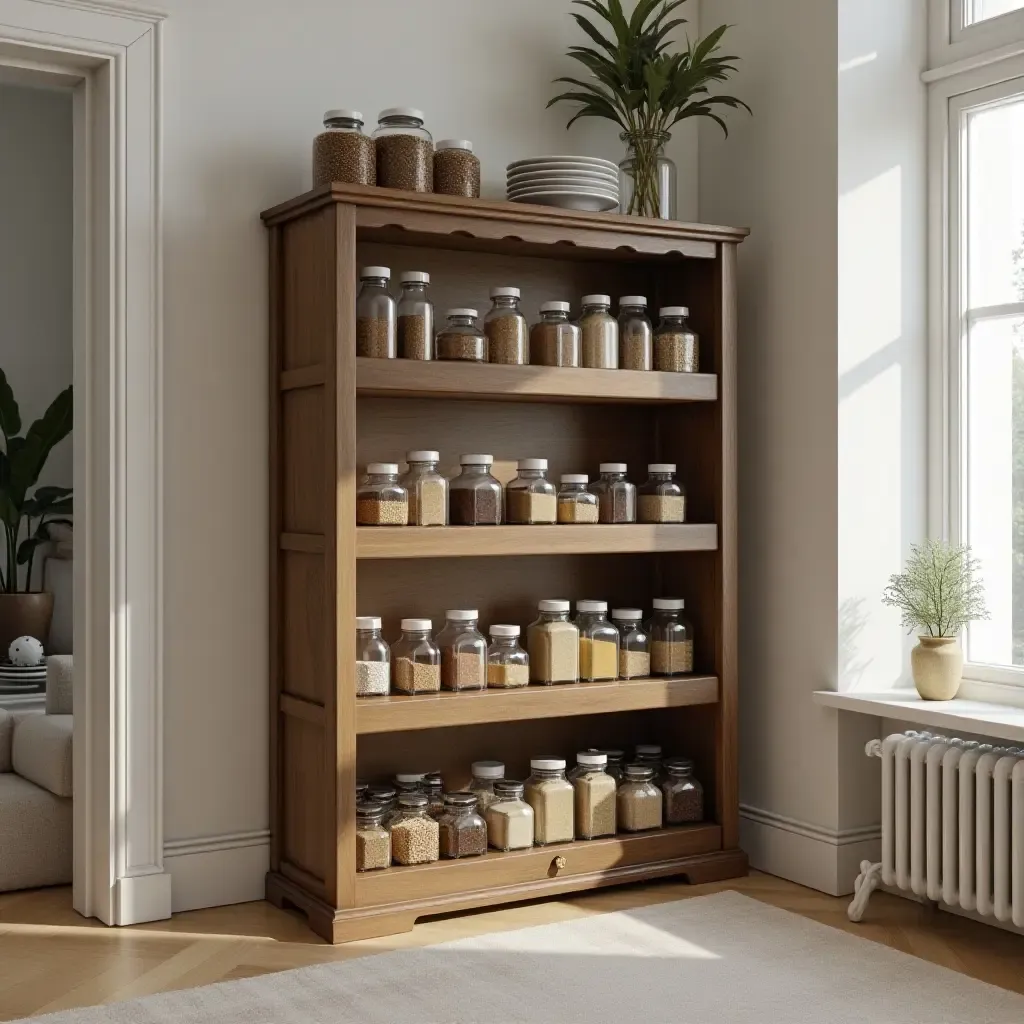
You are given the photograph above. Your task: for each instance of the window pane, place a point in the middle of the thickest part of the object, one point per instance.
(995, 485)
(979, 10)
(995, 204)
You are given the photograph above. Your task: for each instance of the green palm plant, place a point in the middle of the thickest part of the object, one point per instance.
(25, 513)
(637, 83)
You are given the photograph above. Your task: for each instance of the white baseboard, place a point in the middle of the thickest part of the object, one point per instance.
(142, 898)
(824, 859)
(214, 871)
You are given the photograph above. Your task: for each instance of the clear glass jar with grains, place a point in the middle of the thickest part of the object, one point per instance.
(635, 334)
(463, 831)
(676, 344)
(484, 776)
(616, 758)
(475, 497)
(508, 665)
(456, 169)
(427, 489)
(554, 644)
(616, 496)
(638, 800)
(380, 499)
(463, 651)
(599, 642)
(376, 316)
(684, 795)
(594, 792)
(575, 503)
(416, 659)
(634, 643)
(414, 834)
(599, 333)
(505, 326)
(405, 150)
(509, 818)
(373, 841)
(671, 638)
(415, 316)
(341, 152)
(531, 498)
(555, 339)
(460, 339)
(661, 498)
(373, 658)
(550, 795)
(649, 754)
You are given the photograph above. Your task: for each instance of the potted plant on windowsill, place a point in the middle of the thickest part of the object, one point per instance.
(25, 511)
(938, 594)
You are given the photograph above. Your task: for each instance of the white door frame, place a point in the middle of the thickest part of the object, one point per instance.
(110, 53)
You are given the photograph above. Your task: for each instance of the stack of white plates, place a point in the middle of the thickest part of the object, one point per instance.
(572, 182)
(20, 679)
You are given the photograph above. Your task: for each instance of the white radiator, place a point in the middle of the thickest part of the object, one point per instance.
(952, 825)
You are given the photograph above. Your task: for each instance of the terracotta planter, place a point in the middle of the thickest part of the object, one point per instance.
(937, 664)
(24, 615)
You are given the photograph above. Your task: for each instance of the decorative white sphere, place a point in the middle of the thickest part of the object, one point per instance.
(25, 652)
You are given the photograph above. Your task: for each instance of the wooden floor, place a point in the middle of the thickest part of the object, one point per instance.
(51, 959)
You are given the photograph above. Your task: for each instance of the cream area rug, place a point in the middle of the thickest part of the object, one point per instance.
(721, 959)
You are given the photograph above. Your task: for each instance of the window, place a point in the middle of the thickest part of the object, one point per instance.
(965, 29)
(977, 124)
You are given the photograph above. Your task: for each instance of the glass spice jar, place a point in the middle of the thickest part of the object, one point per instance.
(475, 497)
(384, 795)
(505, 326)
(594, 791)
(650, 755)
(373, 658)
(456, 169)
(509, 817)
(684, 795)
(460, 339)
(635, 334)
(380, 499)
(427, 489)
(554, 644)
(463, 651)
(550, 794)
(361, 787)
(408, 782)
(671, 638)
(341, 152)
(376, 331)
(676, 345)
(485, 774)
(638, 800)
(405, 150)
(433, 787)
(599, 332)
(579, 769)
(661, 499)
(463, 831)
(508, 665)
(575, 503)
(531, 498)
(416, 659)
(555, 340)
(615, 760)
(634, 643)
(373, 841)
(616, 496)
(414, 834)
(599, 642)
(415, 317)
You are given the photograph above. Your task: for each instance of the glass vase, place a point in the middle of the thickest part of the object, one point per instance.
(647, 178)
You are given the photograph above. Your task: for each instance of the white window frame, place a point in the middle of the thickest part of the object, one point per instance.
(988, 77)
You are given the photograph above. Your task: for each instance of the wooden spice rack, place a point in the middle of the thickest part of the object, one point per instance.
(332, 412)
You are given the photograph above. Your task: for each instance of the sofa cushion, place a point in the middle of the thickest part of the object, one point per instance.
(35, 835)
(6, 731)
(58, 684)
(42, 751)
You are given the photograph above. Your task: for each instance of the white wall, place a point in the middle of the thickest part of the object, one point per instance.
(246, 84)
(36, 254)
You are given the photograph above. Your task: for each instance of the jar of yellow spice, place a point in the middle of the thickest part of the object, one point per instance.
(599, 642)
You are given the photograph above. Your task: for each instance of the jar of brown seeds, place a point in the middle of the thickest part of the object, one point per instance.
(676, 345)
(405, 150)
(456, 169)
(341, 152)
(460, 338)
(506, 329)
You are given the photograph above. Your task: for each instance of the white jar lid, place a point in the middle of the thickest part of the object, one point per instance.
(575, 478)
(461, 311)
(454, 144)
(505, 290)
(591, 606)
(409, 776)
(400, 112)
(661, 467)
(351, 115)
(375, 272)
(422, 456)
(488, 770)
(462, 614)
(590, 759)
(613, 467)
(411, 276)
(627, 613)
(670, 604)
(674, 311)
(648, 750)
(416, 625)
(553, 605)
(367, 622)
(555, 305)
(548, 764)
(632, 300)
(476, 460)
(532, 464)
(596, 300)
(376, 468)
(505, 631)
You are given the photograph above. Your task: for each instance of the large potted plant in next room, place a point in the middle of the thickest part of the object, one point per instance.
(646, 90)
(938, 593)
(25, 511)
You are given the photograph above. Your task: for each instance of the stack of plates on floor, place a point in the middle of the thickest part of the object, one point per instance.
(21, 679)
(571, 182)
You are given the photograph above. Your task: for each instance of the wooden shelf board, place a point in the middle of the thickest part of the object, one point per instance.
(398, 712)
(502, 541)
(414, 378)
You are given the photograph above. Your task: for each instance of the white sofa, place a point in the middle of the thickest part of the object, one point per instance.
(35, 799)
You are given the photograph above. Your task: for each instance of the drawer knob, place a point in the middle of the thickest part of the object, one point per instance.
(558, 863)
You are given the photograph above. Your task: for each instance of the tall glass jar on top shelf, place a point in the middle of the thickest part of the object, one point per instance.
(427, 488)
(376, 315)
(405, 150)
(341, 152)
(647, 178)
(415, 317)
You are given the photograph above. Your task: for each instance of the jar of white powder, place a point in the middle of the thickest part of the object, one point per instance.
(373, 658)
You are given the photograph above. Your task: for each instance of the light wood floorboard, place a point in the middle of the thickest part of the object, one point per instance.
(52, 959)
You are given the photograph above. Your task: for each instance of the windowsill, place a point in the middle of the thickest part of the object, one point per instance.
(983, 718)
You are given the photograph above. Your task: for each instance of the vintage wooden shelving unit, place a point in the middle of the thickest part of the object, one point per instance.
(332, 412)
